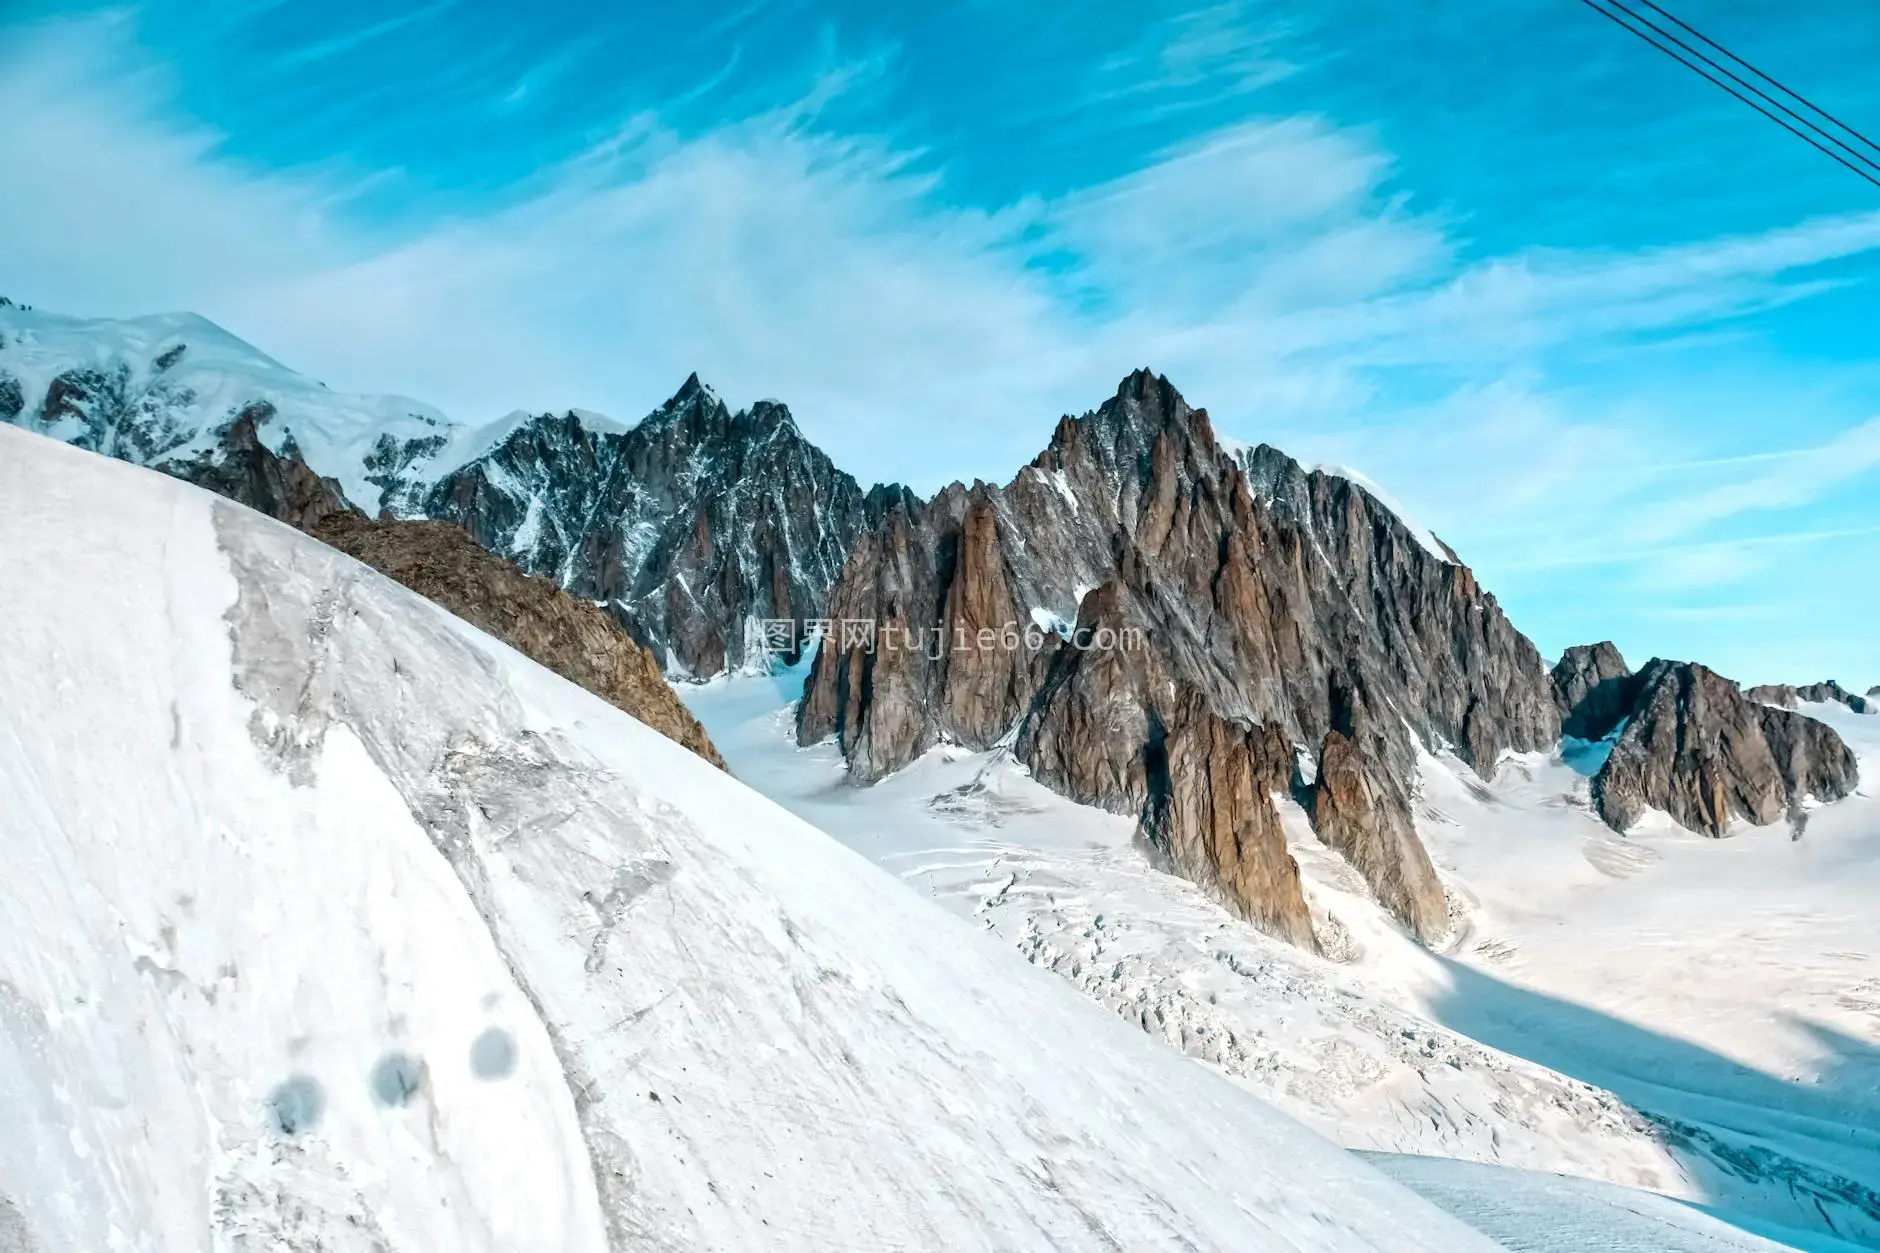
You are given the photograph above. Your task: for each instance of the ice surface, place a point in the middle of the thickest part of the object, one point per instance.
(1532, 1212)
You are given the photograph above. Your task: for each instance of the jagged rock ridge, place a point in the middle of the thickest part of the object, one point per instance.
(690, 527)
(1694, 745)
(1200, 621)
(1789, 696)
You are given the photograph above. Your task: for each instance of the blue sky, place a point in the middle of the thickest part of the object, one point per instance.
(1607, 331)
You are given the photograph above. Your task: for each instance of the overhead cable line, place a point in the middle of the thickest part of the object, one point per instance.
(1782, 115)
(1767, 78)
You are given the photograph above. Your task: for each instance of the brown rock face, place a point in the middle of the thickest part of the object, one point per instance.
(1783, 694)
(1225, 611)
(1363, 813)
(532, 615)
(1209, 815)
(245, 470)
(1698, 748)
(1593, 688)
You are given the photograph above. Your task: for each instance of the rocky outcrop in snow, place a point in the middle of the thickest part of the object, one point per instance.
(1593, 688)
(1789, 696)
(570, 636)
(1697, 747)
(1193, 620)
(690, 527)
(244, 469)
(442, 563)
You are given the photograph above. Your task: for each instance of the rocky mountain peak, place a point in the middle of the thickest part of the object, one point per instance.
(1184, 638)
(1695, 746)
(1593, 688)
(693, 416)
(693, 527)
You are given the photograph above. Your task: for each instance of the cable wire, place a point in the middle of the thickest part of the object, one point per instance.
(1771, 79)
(1620, 5)
(1861, 165)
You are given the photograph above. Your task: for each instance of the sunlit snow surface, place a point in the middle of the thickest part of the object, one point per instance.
(1662, 1011)
(331, 923)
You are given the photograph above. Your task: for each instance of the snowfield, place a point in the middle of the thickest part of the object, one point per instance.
(330, 923)
(1662, 1011)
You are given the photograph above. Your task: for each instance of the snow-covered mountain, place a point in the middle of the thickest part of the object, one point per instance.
(690, 526)
(1300, 634)
(161, 390)
(332, 923)
(349, 927)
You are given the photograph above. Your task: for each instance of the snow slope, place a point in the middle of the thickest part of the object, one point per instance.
(1611, 1060)
(331, 923)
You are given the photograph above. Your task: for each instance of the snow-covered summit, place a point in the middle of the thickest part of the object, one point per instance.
(330, 922)
(158, 390)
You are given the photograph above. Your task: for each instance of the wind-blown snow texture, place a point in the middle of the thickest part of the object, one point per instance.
(332, 923)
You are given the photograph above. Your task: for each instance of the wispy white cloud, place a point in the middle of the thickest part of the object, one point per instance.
(320, 50)
(1798, 477)
(1198, 54)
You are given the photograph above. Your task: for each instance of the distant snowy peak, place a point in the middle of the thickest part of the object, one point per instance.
(163, 390)
(691, 526)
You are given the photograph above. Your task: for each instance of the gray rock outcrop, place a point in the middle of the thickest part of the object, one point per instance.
(246, 470)
(1593, 688)
(442, 563)
(1699, 748)
(1789, 696)
(690, 527)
